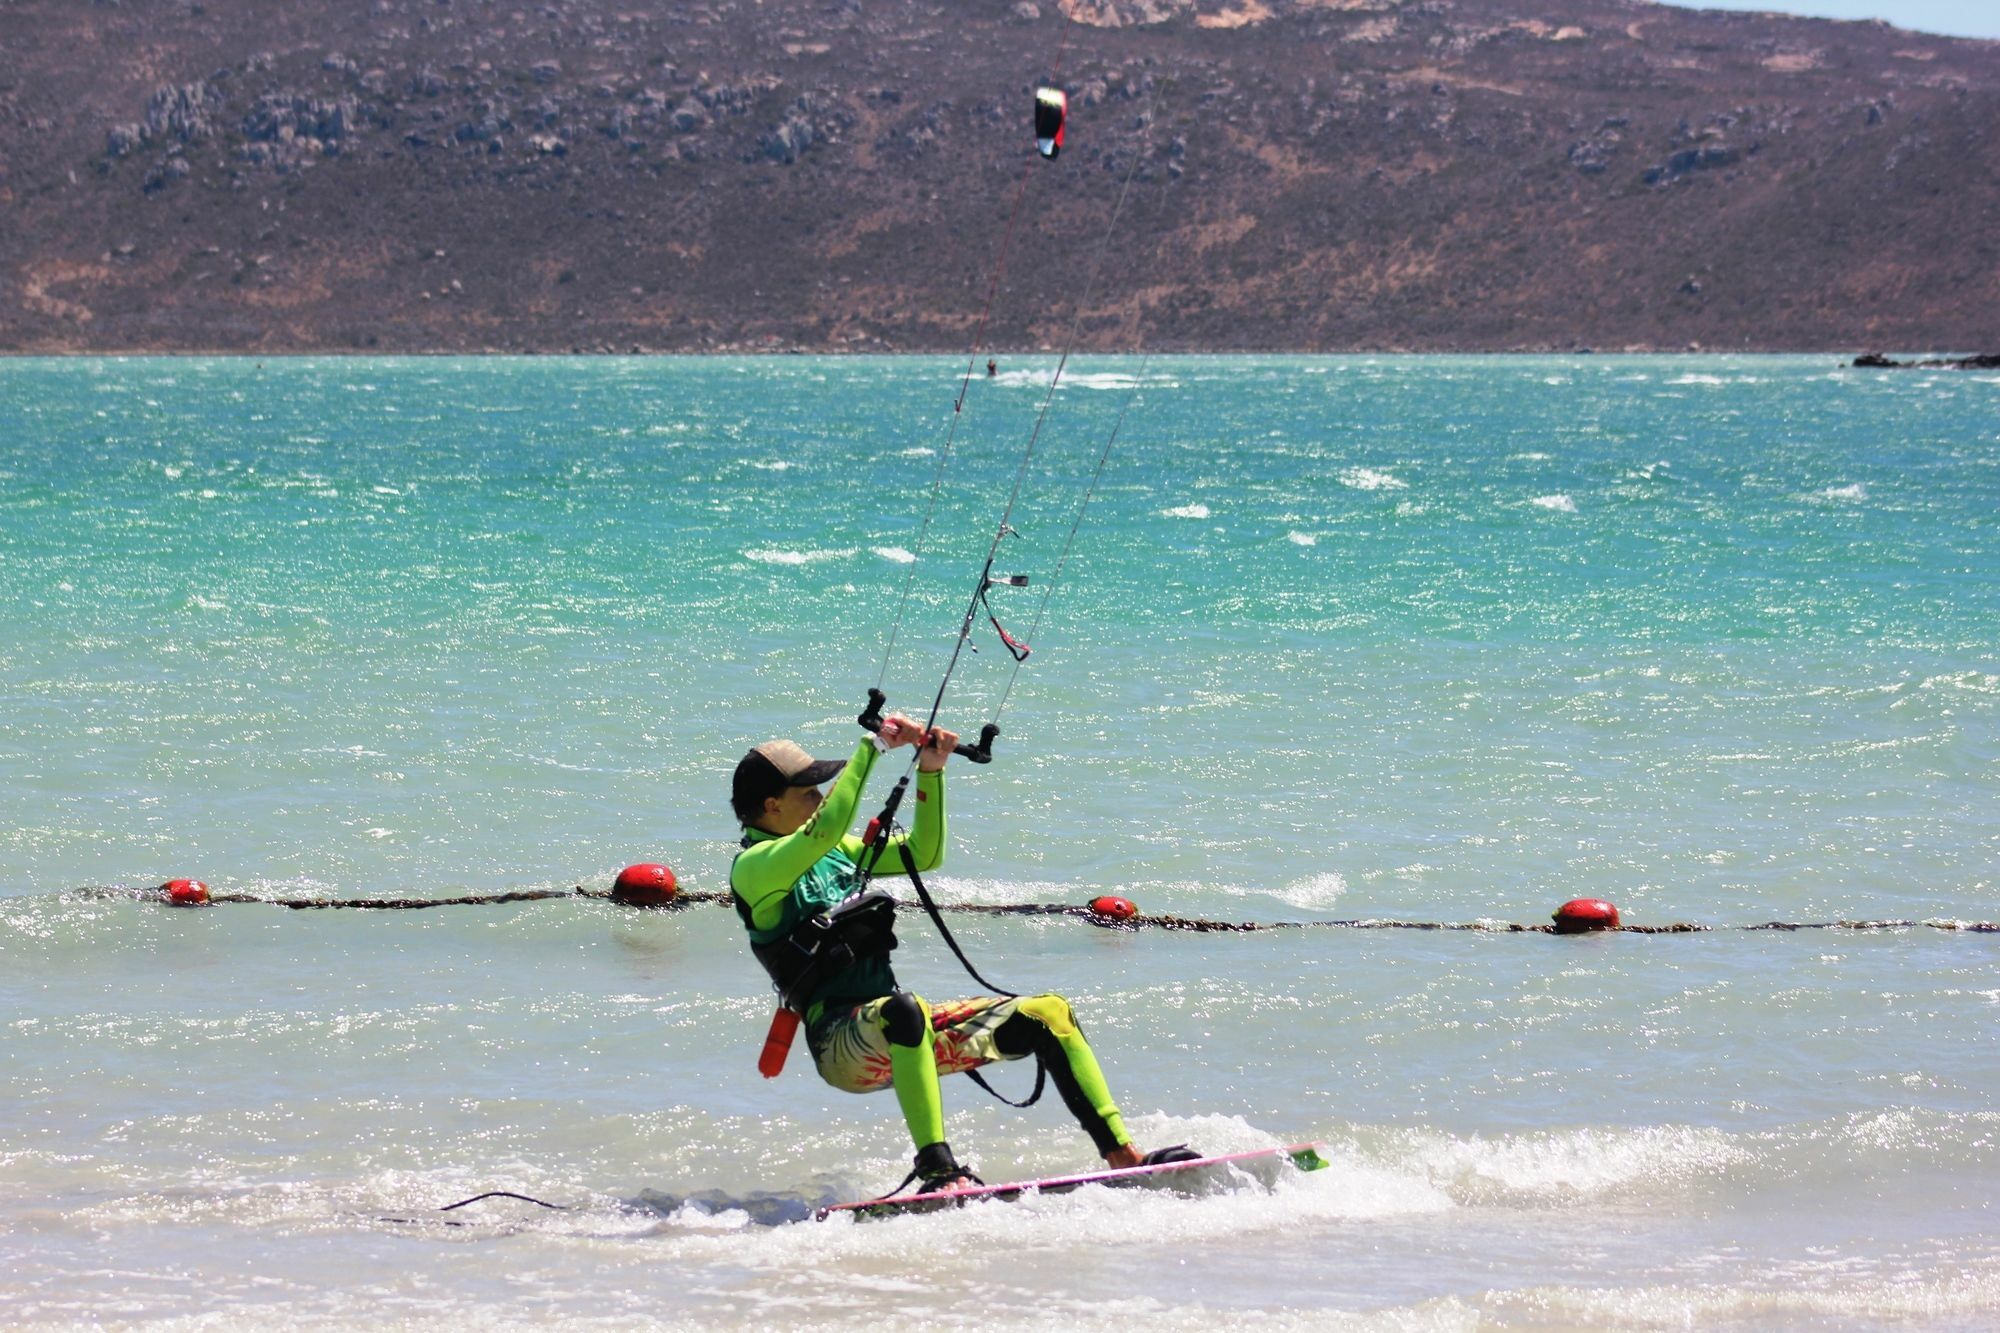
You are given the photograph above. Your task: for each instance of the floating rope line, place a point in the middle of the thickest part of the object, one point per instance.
(405, 904)
(1088, 915)
(409, 904)
(1201, 925)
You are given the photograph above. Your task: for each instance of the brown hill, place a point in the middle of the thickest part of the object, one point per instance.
(834, 174)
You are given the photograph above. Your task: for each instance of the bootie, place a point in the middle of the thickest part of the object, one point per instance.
(1180, 1152)
(937, 1170)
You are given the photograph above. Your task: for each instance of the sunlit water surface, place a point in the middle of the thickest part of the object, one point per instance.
(1443, 640)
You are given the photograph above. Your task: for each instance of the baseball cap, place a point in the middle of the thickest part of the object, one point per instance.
(772, 767)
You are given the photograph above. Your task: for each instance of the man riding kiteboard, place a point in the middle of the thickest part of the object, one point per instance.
(795, 885)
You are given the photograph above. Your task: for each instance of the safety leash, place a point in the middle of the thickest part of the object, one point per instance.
(937, 919)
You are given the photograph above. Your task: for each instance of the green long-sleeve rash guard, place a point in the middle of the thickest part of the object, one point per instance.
(787, 879)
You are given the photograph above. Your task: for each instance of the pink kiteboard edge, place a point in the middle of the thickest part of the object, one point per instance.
(1304, 1156)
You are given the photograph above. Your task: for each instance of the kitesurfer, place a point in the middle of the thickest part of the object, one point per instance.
(798, 860)
(992, 367)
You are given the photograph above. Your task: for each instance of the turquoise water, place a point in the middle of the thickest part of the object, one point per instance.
(1443, 639)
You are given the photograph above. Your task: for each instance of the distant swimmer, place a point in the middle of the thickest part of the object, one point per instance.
(827, 948)
(992, 367)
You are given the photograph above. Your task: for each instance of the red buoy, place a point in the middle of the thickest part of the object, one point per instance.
(647, 884)
(185, 893)
(1118, 909)
(1581, 915)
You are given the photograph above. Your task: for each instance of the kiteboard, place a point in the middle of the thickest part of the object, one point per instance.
(1188, 1175)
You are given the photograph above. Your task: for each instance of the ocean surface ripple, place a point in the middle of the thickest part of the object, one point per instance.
(1419, 638)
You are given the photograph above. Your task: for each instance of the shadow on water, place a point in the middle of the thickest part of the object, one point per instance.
(765, 1209)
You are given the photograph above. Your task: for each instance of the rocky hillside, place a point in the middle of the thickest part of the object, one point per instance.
(280, 175)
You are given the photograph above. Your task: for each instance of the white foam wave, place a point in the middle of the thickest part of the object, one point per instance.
(895, 554)
(1105, 380)
(1186, 511)
(1563, 1166)
(1108, 379)
(1372, 479)
(1973, 682)
(977, 890)
(1699, 379)
(1302, 539)
(1314, 892)
(772, 556)
(1562, 504)
(1856, 491)
(777, 465)
(1817, 1295)
(920, 451)
(1348, 1189)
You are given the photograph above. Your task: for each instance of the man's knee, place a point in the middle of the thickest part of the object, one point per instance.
(1052, 1012)
(905, 1019)
(1039, 1026)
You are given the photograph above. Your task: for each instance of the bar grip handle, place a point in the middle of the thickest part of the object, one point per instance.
(982, 753)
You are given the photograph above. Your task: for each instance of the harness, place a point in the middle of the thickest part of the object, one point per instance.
(824, 944)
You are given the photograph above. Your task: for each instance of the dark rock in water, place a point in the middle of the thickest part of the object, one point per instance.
(1876, 361)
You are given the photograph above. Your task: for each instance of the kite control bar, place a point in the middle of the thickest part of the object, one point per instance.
(982, 753)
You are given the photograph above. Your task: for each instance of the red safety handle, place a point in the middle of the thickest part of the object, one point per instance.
(778, 1042)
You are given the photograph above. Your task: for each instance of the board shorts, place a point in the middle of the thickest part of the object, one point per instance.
(851, 1048)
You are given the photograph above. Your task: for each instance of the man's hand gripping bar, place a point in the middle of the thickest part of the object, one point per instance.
(982, 753)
